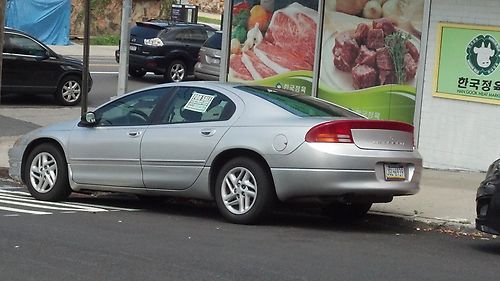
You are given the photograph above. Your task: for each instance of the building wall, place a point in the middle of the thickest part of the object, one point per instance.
(457, 134)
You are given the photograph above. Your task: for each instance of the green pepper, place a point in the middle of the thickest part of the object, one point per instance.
(240, 33)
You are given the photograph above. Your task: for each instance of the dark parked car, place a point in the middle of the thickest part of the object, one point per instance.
(165, 48)
(29, 66)
(488, 201)
(208, 65)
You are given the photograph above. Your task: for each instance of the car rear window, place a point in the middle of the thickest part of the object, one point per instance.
(145, 32)
(214, 42)
(298, 104)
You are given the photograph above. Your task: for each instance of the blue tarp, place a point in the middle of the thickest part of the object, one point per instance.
(47, 20)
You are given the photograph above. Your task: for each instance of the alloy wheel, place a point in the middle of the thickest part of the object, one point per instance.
(71, 91)
(239, 190)
(43, 172)
(177, 72)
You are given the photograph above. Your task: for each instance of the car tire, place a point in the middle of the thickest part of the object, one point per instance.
(340, 211)
(136, 73)
(46, 173)
(244, 191)
(176, 71)
(69, 92)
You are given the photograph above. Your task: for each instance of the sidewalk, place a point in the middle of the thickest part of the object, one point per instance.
(445, 198)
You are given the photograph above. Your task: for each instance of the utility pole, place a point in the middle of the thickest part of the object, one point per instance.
(2, 25)
(124, 48)
(86, 47)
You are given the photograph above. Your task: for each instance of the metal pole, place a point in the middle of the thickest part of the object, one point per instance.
(2, 24)
(124, 48)
(86, 47)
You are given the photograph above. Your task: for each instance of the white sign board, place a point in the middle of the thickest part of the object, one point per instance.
(199, 102)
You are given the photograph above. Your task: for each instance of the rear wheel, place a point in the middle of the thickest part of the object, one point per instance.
(46, 173)
(340, 211)
(176, 71)
(69, 91)
(136, 73)
(244, 191)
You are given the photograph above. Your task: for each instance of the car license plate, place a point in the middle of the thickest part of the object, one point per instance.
(394, 172)
(133, 48)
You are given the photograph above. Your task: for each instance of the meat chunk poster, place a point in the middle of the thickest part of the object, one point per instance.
(369, 56)
(273, 43)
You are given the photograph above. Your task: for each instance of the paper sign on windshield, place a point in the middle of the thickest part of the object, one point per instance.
(199, 102)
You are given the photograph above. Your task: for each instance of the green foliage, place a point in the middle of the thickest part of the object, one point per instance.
(396, 45)
(112, 40)
(240, 33)
(165, 8)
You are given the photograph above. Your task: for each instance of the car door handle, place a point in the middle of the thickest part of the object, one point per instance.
(134, 134)
(207, 132)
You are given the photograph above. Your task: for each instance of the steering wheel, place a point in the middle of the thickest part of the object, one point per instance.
(139, 114)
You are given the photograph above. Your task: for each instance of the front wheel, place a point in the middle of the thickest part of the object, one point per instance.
(46, 173)
(244, 191)
(176, 71)
(69, 91)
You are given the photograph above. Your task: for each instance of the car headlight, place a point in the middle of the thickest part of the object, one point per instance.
(155, 42)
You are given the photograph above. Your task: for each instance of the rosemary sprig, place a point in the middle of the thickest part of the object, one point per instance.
(395, 44)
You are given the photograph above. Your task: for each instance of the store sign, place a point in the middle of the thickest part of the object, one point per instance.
(467, 61)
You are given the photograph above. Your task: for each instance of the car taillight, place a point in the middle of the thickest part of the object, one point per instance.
(340, 131)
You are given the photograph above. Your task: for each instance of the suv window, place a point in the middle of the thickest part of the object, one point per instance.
(145, 32)
(298, 104)
(214, 42)
(22, 45)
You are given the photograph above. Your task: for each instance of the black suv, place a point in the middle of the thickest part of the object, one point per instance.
(29, 66)
(165, 48)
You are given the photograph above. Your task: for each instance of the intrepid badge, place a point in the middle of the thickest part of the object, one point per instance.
(483, 54)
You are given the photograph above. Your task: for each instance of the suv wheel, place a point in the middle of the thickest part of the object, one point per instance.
(136, 72)
(69, 91)
(176, 71)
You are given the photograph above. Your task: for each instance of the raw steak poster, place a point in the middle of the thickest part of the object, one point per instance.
(369, 56)
(273, 43)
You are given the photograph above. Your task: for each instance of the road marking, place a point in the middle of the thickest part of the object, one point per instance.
(104, 72)
(24, 211)
(80, 208)
(15, 192)
(111, 208)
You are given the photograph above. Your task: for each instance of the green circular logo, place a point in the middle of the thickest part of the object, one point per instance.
(483, 54)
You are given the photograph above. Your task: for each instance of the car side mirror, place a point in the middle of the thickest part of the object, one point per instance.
(43, 56)
(88, 120)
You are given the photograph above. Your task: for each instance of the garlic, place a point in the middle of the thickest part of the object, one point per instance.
(254, 37)
(372, 10)
(391, 9)
(235, 46)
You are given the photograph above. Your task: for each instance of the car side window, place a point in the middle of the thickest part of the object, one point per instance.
(18, 44)
(197, 105)
(184, 35)
(199, 35)
(132, 110)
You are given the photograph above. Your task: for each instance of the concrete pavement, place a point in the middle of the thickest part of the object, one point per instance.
(446, 198)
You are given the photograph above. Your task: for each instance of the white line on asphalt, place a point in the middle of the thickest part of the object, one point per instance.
(15, 192)
(74, 207)
(11, 215)
(107, 207)
(104, 72)
(24, 211)
(40, 206)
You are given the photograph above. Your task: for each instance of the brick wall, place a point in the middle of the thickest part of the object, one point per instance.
(458, 134)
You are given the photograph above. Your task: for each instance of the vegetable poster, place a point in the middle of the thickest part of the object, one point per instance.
(369, 56)
(273, 43)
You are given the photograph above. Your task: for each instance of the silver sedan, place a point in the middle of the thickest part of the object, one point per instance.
(245, 147)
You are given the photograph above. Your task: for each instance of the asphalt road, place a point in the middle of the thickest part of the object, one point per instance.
(117, 237)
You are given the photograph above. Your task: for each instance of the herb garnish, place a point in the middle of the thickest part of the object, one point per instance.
(396, 45)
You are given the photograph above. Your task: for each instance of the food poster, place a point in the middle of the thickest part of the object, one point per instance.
(467, 60)
(370, 54)
(273, 43)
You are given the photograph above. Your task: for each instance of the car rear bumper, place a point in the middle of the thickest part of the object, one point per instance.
(154, 64)
(302, 183)
(204, 72)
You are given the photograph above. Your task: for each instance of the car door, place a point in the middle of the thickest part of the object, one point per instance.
(176, 148)
(109, 153)
(27, 65)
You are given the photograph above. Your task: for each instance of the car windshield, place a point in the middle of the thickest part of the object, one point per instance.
(298, 104)
(214, 42)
